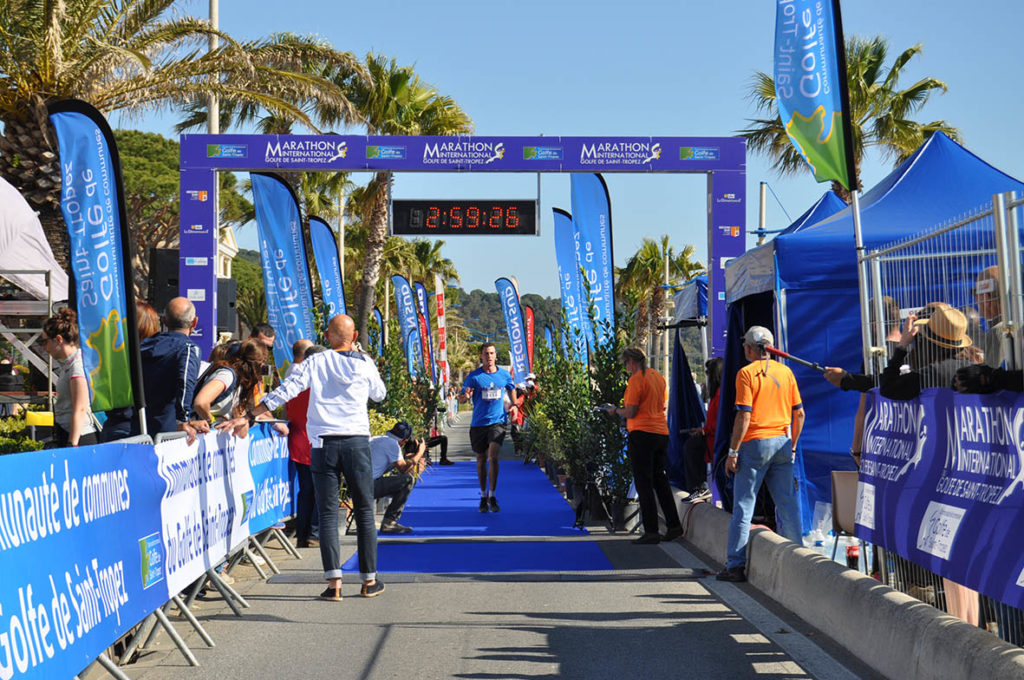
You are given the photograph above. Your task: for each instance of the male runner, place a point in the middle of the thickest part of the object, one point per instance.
(486, 387)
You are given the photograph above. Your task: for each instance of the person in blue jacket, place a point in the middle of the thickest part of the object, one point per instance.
(487, 386)
(170, 366)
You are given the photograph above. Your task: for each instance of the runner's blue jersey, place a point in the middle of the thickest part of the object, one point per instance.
(488, 395)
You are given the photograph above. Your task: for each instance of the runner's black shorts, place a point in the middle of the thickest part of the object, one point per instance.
(482, 435)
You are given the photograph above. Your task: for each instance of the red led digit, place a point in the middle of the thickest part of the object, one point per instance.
(432, 217)
(494, 222)
(472, 217)
(512, 221)
(456, 217)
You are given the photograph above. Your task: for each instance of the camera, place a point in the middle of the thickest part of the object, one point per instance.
(412, 445)
(265, 370)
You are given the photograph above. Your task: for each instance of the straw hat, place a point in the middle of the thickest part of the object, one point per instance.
(945, 328)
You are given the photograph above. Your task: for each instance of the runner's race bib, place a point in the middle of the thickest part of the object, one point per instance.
(491, 393)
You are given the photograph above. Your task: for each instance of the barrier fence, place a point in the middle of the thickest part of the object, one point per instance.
(95, 540)
(942, 476)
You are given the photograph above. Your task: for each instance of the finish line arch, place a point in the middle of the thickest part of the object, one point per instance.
(721, 159)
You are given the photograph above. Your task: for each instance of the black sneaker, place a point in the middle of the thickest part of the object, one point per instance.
(733, 575)
(494, 504)
(672, 534)
(394, 528)
(647, 539)
(445, 461)
(372, 591)
(331, 594)
(483, 504)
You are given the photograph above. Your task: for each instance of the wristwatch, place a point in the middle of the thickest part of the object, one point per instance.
(733, 453)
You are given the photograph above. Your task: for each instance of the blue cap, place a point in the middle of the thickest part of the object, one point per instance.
(401, 430)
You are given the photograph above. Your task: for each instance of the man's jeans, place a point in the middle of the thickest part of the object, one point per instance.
(770, 461)
(348, 456)
(398, 486)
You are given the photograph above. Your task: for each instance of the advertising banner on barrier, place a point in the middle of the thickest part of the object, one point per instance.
(569, 285)
(325, 252)
(509, 297)
(93, 208)
(81, 555)
(942, 484)
(94, 539)
(285, 270)
(592, 219)
(208, 495)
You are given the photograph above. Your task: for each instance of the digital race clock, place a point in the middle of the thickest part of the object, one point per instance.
(463, 217)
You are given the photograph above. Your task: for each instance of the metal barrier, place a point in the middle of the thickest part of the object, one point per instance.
(972, 263)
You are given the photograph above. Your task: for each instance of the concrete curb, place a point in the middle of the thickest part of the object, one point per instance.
(895, 634)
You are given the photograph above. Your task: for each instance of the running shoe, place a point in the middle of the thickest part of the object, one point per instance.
(445, 461)
(331, 594)
(372, 591)
(494, 504)
(483, 504)
(394, 528)
(732, 575)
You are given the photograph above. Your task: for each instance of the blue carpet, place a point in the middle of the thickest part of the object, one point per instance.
(456, 558)
(446, 501)
(445, 504)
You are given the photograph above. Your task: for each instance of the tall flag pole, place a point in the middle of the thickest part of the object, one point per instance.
(509, 298)
(325, 252)
(285, 269)
(529, 318)
(91, 201)
(813, 97)
(569, 286)
(442, 332)
(592, 219)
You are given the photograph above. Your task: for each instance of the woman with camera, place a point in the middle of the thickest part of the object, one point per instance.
(644, 413)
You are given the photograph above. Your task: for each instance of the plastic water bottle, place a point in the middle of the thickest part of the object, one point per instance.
(853, 556)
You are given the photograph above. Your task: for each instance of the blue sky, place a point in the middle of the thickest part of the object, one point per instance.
(647, 67)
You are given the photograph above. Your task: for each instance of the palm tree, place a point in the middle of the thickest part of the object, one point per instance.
(644, 278)
(134, 56)
(396, 103)
(880, 110)
(427, 260)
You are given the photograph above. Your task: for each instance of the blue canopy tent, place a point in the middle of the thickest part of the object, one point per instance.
(809, 276)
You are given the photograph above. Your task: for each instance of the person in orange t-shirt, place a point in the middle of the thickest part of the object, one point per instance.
(644, 413)
(762, 448)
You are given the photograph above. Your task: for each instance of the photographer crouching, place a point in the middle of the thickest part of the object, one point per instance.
(395, 450)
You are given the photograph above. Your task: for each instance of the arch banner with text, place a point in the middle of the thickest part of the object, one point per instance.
(721, 159)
